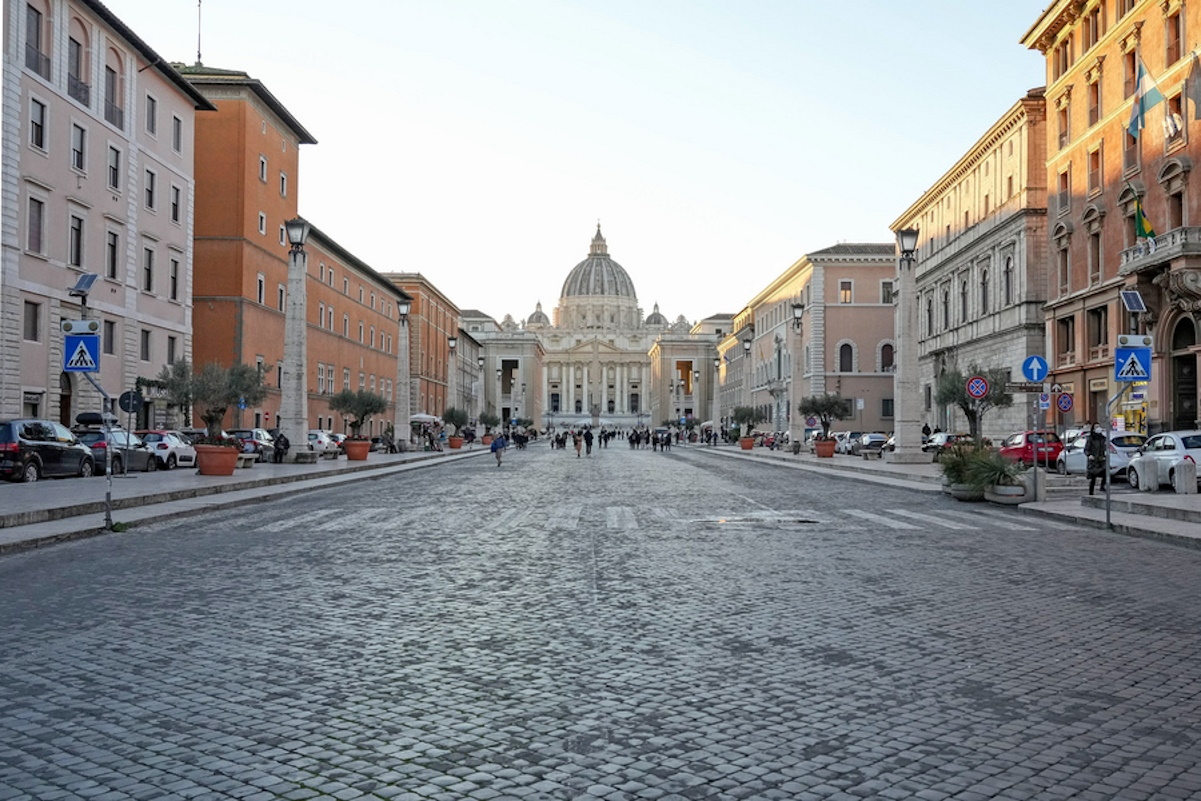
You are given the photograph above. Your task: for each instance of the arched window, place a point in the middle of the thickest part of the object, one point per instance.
(846, 358)
(929, 314)
(963, 301)
(984, 292)
(887, 354)
(946, 309)
(1007, 281)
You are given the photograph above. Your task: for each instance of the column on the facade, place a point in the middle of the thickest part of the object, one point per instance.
(622, 394)
(586, 406)
(569, 388)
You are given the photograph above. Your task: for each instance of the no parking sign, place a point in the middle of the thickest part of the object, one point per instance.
(977, 387)
(1064, 402)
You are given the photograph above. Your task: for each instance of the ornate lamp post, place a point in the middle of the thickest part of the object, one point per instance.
(452, 368)
(905, 379)
(796, 430)
(294, 400)
(479, 383)
(404, 402)
(714, 411)
(499, 409)
(746, 369)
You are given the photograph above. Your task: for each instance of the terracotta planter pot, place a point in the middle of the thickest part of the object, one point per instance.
(454, 442)
(824, 448)
(357, 449)
(746, 443)
(216, 460)
(486, 439)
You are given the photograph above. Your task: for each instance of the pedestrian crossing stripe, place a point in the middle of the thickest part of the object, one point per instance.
(81, 359)
(1133, 368)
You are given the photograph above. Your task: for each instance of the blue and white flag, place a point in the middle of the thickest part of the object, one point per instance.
(1146, 95)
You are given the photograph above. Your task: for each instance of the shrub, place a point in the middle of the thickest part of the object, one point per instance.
(988, 468)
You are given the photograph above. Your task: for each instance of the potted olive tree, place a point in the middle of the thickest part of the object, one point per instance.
(359, 405)
(746, 417)
(489, 421)
(826, 408)
(456, 418)
(214, 389)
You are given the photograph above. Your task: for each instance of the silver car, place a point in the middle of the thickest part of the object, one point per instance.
(1123, 447)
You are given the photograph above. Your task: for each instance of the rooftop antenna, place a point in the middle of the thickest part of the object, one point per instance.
(198, 33)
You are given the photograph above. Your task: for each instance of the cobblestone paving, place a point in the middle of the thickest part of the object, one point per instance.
(632, 625)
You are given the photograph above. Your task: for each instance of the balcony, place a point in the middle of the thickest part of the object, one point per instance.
(1174, 244)
(1065, 359)
(37, 61)
(1098, 353)
(114, 114)
(79, 90)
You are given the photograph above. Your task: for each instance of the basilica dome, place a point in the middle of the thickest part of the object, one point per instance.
(598, 274)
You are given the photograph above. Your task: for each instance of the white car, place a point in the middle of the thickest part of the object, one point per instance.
(171, 448)
(1167, 449)
(321, 441)
(845, 439)
(1123, 446)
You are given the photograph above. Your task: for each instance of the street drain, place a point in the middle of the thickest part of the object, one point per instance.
(742, 521)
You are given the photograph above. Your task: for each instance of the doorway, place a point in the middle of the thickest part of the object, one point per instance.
(1184, 375)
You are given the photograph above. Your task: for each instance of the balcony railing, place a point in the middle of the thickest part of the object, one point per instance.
(114, 114)
(1066, 359)
(1098, 352)
(1171, 245)
(37, 61)
(79, 90)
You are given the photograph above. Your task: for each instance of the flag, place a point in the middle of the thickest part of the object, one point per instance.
(1194, 86)
(1142, 228)
(1146, 95)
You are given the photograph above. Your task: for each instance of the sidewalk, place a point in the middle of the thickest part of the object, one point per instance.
(49, 511)
(1160, 515)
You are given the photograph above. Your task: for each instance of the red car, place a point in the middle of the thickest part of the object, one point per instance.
(1022, 446)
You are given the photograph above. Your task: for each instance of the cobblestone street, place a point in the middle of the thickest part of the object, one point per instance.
(629, 625)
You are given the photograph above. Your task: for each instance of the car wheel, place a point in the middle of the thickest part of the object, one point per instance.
(1062, 467)
(117, 466)
(30, 472)
(1132, 477)
(86, 468)
(152, 464)
(171, 462)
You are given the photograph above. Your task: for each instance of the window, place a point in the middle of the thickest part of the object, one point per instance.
(37, 124)
(329, 318)
(112, 254)
(1129, 72)
(1063, 266)
(144, 346)
(78, 148)
(929, 314)
(320, 378)
(176, 134)
(1130, 152)
(886, 407)
(1097, 324)
(887, 358)
(1173, 37)
(1094, 254)
(1007, 281)
(1094, 101)
(963, 300)
(346, 378)
(346, 325)
(151, 115)
(1124, 8)
(1065, 340)
(1094, 171)
(946, 309)
(114, 109)
(77, 72)
(261, 288)
(984, 292)
(151, 188)
(75, 242)
(283, 184)
(35, 240)
(176, 202)
(846, 358)
(886, 295)
(320, 314)
(1092, 28)
(33, 322)
(108, 339)
(173, 279)
(1065, 186)
(1173, 121)
(262, 223)
(35, 56)
(845, 293)
(147, 269)
(281, 295)
(1064, 126)
(114, 168)
(172, 346)
(263, 169)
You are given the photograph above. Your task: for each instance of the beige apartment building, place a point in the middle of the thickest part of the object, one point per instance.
(1098, 170)
(98, 143)
(981, 265)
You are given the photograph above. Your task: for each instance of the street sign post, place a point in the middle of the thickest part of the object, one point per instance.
(1064, 402)
(1034, 368)
(1132, 358)
(1044, 400)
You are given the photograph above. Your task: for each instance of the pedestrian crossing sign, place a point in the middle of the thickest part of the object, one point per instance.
(1132, 364)
(81, 353)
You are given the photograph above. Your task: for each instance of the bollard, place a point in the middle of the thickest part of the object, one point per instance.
(1184, 477)
(1148, 473)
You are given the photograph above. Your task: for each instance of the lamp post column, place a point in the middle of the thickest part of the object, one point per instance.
(404, 405)
(714, 409)
(746, 371)
(906, 397)
(452, 367)
(294, 406)
(796, 428)
(479, 387)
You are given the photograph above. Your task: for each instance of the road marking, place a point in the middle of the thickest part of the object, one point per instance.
(507, 520)
(567, 517)
(305, 520)
(620, 517)
(932, 520)
(1001, 516)
(887, 522)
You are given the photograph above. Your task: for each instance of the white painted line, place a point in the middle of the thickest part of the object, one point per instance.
(882, 520)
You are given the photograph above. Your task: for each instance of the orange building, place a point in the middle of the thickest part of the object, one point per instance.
(247, 157)
(1098, 171)
(433, 320)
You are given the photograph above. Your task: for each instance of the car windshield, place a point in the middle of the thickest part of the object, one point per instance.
(1191, 441)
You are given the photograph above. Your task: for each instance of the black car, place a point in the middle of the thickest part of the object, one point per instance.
(31, 449)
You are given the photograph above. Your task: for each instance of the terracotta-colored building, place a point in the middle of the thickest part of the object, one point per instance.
(433, 320)
(1097, 170)
(247, 186)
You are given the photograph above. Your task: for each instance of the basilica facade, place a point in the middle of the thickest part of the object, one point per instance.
(590, 362)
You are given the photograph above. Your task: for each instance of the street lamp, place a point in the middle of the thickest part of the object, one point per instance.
(404, 404)
(795, 429)
(746, 369)
(714, 411)
(451, 369)
(479, 382)
(905, 379)
(294, 402)
(499, 409)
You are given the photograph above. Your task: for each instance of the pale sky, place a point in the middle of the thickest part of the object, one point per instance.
(480, 141)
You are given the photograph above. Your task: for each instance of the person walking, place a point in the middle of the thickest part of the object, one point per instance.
(588, 441)
(281, 448)
(576, 441)
(1094, 451)
(498, 447)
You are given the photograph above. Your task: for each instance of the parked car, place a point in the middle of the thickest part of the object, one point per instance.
(1029, 447)
(320, 441)
(379, 445)
(1167, 449)
(171, 448)
(33, 448)
(339, 440)
(123, 450)
(256, 441)
(843, 440)
(871, 441)
(1123, 447)
(941, 441)
(193, 434)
